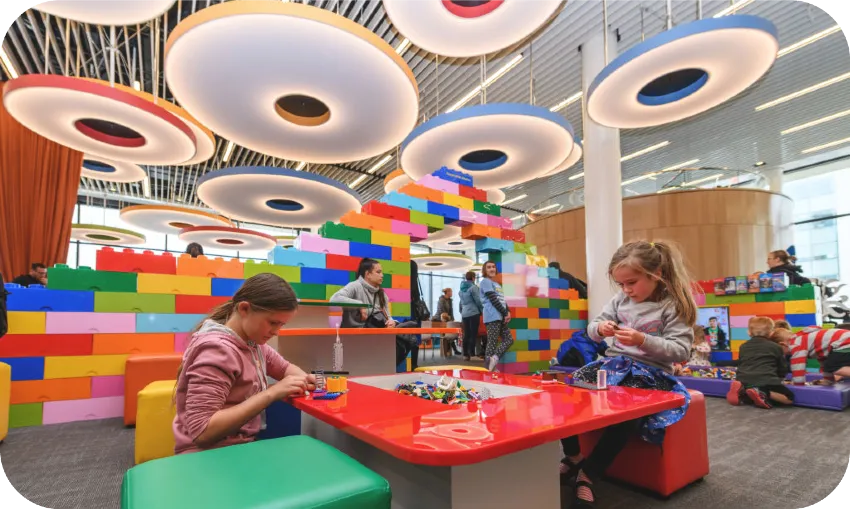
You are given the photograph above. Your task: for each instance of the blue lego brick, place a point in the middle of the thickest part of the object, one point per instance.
(282, 420)
(538, 345)
(225, 286)
(550, 313)
(493, 245)
(554, 284)
(39, 299)
(450, 214)
(578, 324)
(374, 251)
(527, 334)
(721, 356)
(454, 176)
(739, 333)
(325, 276)
(281, 256)
(167, 322)
(405, 202)
(801, 320)
(25, 369)
(553, 273)
(509, 357)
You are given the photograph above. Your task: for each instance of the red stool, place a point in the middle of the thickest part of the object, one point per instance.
(681, 460)
(141, 370)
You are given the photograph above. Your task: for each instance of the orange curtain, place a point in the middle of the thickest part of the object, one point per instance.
(38, 189)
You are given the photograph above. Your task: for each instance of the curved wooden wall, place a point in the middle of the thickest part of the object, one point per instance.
(722, 232)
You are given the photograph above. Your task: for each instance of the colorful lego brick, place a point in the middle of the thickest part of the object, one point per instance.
(578, 304)
(740, 321)
(509, 357)
(167, 323)
(554, 293)
(735, 345)
(289, 273)
(343, 262)
(538, 323)
(430, 181)
(447, 174)
(739, 334)
(173, 284)
(26, 323)
(89, 322)
(455, 200)
(802, 320)
(25, 369)
(400, 309)
(527, 334)
(449, 213)
(800, 307)
(128, 261)
(527, 356)
(106, 386)
(573, 314)
(65, 367)
(517, 324)
(400, 281)
(227, 286)
(518, 301)
(134, 343)
(324, 276)
(181, 341)
(294, 257)
(197, 304)
(362, 250)
(472, 217)
(536, 260)
(24, 346)
(132, 302)
(521, 312)
(484, 207)
(415, 232)
(366, 221)
(473, 193)
(401, 254)
(79, 410)
(391, 240)
(798, 293)
(310, 291)
(40, 299)
(538, 302)
(474, 232)
(209, 267)
(424, 193)
(387, 211)
(330, 290)
(61, 277)
(757, 309)
(432, 221)
(712, 300)
(332, 230)
(513, 235)
(49, 390)
(518, 345)
(499, 222)
(398, 295)
(570, 294)
(405, 202)
(392, 267)
(493, 245)
(318, 244)
(548, 313)
(25, 415)
(525, 248)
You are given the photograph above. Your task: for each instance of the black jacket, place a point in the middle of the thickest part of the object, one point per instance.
(722, 343)
(761, 362)
(793, 271)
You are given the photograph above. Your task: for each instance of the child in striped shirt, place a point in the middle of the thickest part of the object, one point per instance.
(829, 346)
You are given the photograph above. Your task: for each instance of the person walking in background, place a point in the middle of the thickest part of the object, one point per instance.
(470, 310)
(496, 316)
(445, 313)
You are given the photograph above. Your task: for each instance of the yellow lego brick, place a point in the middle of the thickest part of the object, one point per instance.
(736, 345)
(792, 307)
(458, 201)
(538, 324)
(66, 367)
(578, 304)
(388, 239)
(154, 418)
(528, 356)
(174, 284)
(27, 323)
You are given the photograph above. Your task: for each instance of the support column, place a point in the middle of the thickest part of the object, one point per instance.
(774, 179)
(602, 181)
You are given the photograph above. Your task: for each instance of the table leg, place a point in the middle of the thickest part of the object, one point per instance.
(525, 479)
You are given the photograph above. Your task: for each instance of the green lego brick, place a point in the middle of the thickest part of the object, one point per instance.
(387, 283)
(423, 218)
(534, 366)
(560, 304)
(25, 415)
(536, 302)
(732, 299)
(330, 290)
(518, 345)
(486, 208)
(400, 309)
(812, 363)
(510, 257)
(61, 277)
(495, 256)
(395, 267)
(510, 289)
(309, 291)
(801, 292)
(572, 315)
(766, 297)
(526, 248)
(332, 230)
(519, 323)
(291, 274)
(131, 302)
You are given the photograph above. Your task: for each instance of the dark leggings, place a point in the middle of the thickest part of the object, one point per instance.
(470, 334)
(610, 445)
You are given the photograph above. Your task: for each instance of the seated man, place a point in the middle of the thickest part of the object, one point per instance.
(36, 276)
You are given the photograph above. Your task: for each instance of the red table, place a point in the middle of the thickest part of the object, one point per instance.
(500, 453)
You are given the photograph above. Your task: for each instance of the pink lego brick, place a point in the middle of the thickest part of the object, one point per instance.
(107, 386)
(498, 221)
(518, 302)
(318, 244)
(89, 322)
(518, 367)
(554, 293)
(181, 341)
(699, 298)
(473, 217)
(415, 231)
(559, 324)
(429, 181)
(398, 295)
(78, 410)
(740, 321)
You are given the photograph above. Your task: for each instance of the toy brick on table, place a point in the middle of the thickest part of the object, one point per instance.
(211, 267)
(128, 261)
(62, 277)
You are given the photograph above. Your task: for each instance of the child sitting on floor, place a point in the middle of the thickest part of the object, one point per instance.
(829, 346)
(761, 367)
(701, 350)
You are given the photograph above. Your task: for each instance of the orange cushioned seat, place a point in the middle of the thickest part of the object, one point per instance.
(142, 370)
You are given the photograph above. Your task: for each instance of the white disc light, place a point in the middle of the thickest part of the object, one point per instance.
(228, 238)
(99, 234)
(571, 160)
(111, 171)
(98, 12)
(168, 219)
(331, 91)
(428, 262)
(467, 29)
(449, 239)
(396, 180)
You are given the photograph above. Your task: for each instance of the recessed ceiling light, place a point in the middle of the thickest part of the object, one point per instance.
(566, 102)
(514, 199)
(808, 40)
(402, 46)
(545, 208)
(7, 64)
(826, 146)
(372, 170)
(644, 151)
(516, 217)
(680, 165)
(760, 163)
(803, 92)
(732, 9)
(489, 81)
(576, 176)
(704, 179)
(816, 122)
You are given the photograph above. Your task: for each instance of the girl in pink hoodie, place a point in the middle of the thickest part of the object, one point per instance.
(222, 390)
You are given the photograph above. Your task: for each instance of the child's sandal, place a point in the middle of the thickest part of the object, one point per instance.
(573, 468)
(584, 503)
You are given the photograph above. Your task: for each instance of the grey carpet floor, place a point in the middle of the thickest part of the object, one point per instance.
(782, 458)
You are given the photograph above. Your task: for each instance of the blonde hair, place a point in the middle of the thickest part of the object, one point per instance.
(760, 326)
(782, 324)
(781, 335)
(662, 261)
(783, 256)
(699, 334)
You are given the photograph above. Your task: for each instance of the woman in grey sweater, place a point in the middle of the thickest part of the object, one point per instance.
(366, 289)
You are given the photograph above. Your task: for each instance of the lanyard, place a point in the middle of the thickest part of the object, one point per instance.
(260, 364)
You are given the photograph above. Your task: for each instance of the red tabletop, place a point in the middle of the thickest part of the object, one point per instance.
(430, 433)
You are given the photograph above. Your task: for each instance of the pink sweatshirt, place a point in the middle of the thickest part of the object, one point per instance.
(219, 371)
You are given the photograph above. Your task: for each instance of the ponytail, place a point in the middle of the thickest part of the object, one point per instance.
(783, 256)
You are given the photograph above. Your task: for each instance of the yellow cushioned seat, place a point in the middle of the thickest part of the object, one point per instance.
(154, 418)
(5, 395)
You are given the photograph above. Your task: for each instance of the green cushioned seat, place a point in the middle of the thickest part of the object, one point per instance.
(289, 472)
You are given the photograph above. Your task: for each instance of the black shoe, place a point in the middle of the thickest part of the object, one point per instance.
(568, 477)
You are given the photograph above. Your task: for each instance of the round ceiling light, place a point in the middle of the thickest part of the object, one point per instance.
(99, 234)
(168, 219)
(571, 160)
(396, 180)
(500, 144)
(449, 238)
(98, 12)
(456, 28)
(442, 262)
(92, 117)
(286, 241)
(331, 91)
(276, 196)
(228, 238)
(682, 72)
(111, 171)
